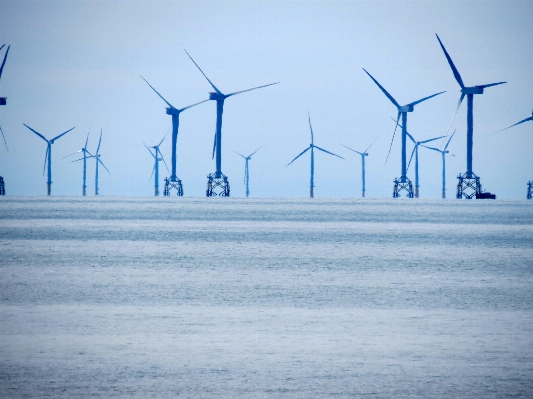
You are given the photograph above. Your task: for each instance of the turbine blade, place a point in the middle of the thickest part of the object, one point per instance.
(431, 148)
(153, 170)
(411, 137)
(61, 135)
(99, 142)
(371, 144)
(425, 98)
(393, 134)
(383, 90)
(45, 159)
(165, 162)
(299, 155)
(327, 152)
(156, 92)
(517, 123)
(149, 150)
(99, 160)
(211, 83)
(351, 149)
(81, 159)
(253, 88)
(410, 159)
(427, 141)
(454, 114)
(4, 62)
(4, 137)
(214, 146)
(69, 155)
(161, 141)
(190, 106)
(449, 140)
(239, 154)
(491, 84)
(249, 156)
(37, 133)
(3, 45)
(311, 128)
(454, 69)
(87, 140)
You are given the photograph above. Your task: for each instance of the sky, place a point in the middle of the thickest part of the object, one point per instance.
(78, 64)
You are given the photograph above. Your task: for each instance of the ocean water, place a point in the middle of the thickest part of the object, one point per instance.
(265, 298)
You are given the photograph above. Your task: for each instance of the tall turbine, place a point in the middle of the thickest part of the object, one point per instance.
(443, 153)
(174, 181)
(363, 155)
(3, 102)
(469, 179)
(529, 183)
(157, 157)
(247, 171)
(48, 155)
(415, 153)
(219, 181)
(312, 147)
(96, 156)
(84, 159)
(403, 183)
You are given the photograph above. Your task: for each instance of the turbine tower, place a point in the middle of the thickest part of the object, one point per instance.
(217, 183)
(529, 183)
(312, 147)
(363, 155)
(48, 156)
(84, 159)
(415, 152)
(157, 157)
(173, 182)
(247, 171)
(3, 102)
(96, 156)
(443, 153)
(402, 183)
(469, 180)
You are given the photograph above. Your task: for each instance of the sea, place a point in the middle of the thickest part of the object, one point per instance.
(265, 298)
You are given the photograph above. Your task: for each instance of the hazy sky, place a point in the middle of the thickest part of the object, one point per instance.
(77, 63)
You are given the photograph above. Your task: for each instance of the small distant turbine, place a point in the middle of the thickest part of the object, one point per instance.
(247, 171)
(84, 159)
(469, 179)
(443, 153)
(312, 147)
(48, 155)
(174, 181)
(3, 99)
(403, 183)
(157, 157)
(363, 155)
(3, 102)
(96, 156)
(218, 179)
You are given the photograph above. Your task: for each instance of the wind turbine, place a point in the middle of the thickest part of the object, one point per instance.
(3, 102)
(84, 159)
(157, 157)
(529, 183)
(96, 156)
(218, 179)
(443, 153)
(469, 179)
(48, 155)
(246, 170)
(403, 183)
(174, 181)
(312, 147)
(363, 155)
(415, 152)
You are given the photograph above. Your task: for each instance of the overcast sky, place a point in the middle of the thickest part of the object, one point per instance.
(77, 63)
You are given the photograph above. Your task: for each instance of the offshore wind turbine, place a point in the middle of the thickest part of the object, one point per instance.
(312, 147)
(174, 181)
(443, 153)
(96, 156)
(158, 156)
(363, 155)
(218, 181)
(247, 171)
(469, 179)
(48, 156)
(84, 159)
(402, 183)
(529, 183)
(3, 102)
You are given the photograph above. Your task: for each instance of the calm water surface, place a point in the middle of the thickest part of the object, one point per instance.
(265, 298)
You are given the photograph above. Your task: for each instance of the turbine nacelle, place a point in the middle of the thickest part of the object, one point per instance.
(217, 96)
(173, 111)
(472, 90)
(3, 100)
(406, 108)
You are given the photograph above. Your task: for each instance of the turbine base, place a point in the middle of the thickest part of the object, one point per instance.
(2, 186)
(400, 186)
(468, 187)
(217, 186)
(173, 185)
(530, 189)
